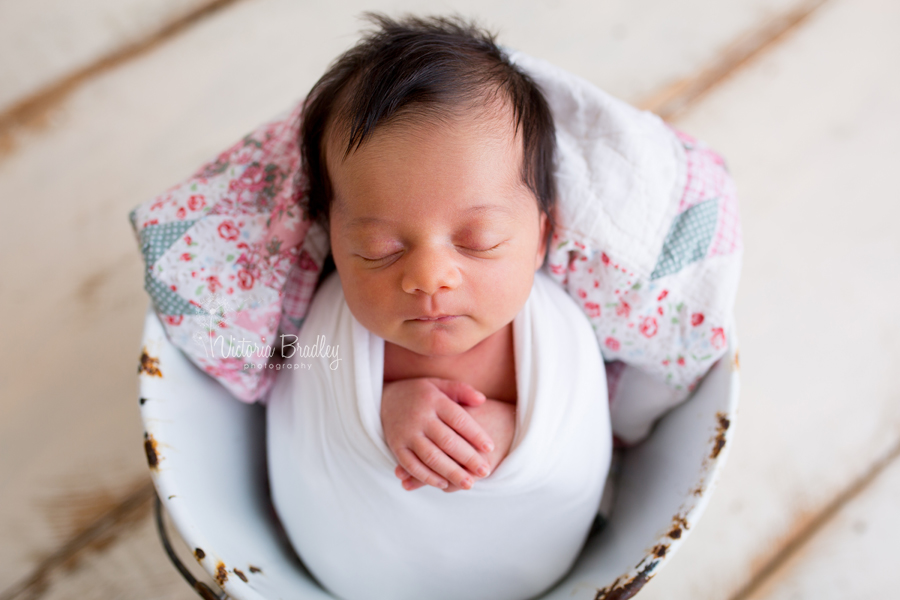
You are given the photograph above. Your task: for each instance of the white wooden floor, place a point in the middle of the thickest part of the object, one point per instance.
(807, 506)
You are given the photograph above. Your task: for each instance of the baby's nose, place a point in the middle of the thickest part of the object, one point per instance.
(429, 270)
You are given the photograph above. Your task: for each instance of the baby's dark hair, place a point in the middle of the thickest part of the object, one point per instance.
(424, 68)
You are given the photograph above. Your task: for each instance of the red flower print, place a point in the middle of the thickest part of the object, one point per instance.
(557, 269)
(214, 284)
(613, 344)
(697, 319)
(648, 327)
(181, 213)
(659, 309)
(718, 338)
(604, 258)
(186, 256)
(582, 294)
(196, 202)
(680, 361)
(662, 295)
(150, 222)
(592, 308)
(174, 319)
(227, 231)
(187, 240)
(623, 309)
(245, 279)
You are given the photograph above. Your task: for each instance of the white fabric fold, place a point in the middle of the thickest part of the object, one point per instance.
(510, 537)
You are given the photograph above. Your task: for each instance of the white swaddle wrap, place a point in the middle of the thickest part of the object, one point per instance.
(511, 536)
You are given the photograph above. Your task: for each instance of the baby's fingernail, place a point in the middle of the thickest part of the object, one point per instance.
(442, 485)
(466, 483)
(489, 447)
(482, 470)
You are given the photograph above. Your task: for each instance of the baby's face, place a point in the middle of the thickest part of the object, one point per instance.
(434, 234)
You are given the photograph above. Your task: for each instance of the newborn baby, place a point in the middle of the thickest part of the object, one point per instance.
(463, 367)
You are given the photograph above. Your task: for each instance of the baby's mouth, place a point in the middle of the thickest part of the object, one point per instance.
(434, 318)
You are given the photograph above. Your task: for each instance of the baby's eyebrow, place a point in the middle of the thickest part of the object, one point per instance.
(483, 208)
(363, 221)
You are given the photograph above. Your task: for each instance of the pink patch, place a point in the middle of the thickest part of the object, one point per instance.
(612, 343)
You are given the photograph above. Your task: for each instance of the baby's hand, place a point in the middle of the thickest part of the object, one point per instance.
(432, 436)
(498, 419)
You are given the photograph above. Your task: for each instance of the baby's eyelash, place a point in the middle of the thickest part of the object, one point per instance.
(376, 260)
(482, 249)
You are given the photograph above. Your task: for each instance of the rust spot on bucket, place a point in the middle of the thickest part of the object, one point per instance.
(150, 449)
(199, 554)
(678, 525)
(622, 590)
(255, 569)
(149, 365)
(221, 574)
(736, 363)
(240, 574)
(660, 551)
(142, 400)
(721, 428)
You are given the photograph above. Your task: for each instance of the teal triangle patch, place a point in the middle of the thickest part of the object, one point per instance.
(156, 239)
(688, 238)
(166, 301)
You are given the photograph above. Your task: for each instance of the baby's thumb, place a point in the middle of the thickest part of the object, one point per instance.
(460, 392)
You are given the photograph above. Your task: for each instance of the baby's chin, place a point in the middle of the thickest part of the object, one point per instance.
(437, 343)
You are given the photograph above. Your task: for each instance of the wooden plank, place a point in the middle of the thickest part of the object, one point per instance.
(853, 556)
(44, 42)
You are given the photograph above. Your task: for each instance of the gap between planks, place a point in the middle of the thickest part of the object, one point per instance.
(31, 112)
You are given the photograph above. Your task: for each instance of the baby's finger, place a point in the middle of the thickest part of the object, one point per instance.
(411, 483)
(466, 426)
(419, 470)
(401, 473)
(435, 459)
(460, 392)
(459, 450)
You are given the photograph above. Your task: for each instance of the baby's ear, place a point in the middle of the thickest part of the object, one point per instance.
(542, 247)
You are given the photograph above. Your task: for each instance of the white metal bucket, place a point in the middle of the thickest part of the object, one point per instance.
(206, 451)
